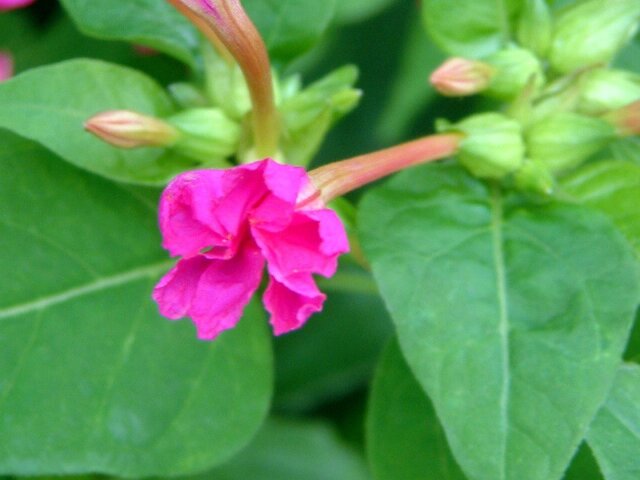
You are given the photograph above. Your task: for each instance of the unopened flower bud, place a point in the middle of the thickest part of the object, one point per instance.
(535, 26)
(514, 68)
(459, 77)
(6, 66)
(535, 177)
(625, 120)
(564, 140)
(126, 129)
(206, 134)
(592, 32)
(604, 90)
(492, 146)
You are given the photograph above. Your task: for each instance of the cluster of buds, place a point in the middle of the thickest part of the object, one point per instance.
(242, 110)
(549, 128)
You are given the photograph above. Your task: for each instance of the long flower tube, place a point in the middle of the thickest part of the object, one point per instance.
(228, 22)
(336, 179)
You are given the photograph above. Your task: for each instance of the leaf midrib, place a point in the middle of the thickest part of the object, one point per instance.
(97, 285)
(503, 325)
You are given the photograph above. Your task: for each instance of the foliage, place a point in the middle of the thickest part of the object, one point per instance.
(504, 281)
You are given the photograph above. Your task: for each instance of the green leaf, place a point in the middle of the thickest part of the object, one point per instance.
(348, 336)
(92, 379)
(405, 441)
(50, 105)
(149, 22)
(290, 27)
(512, 317)
(470, 28)
(351, 11)
(612, 187)
(286, 449)
(614, 435)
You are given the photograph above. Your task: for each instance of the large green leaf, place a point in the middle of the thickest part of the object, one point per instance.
(286, 449)
(512, 316)
(614, 188)
(470, 28)
(614, 436)
(290, 27)
(404, 438)
(92, 379)
(148, 22)
(50, 105)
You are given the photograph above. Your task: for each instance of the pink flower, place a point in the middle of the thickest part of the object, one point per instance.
(6, 66)
(225, 224)
(11, 4)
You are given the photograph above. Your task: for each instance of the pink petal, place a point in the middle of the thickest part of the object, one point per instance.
(283, 184)
(6, 66)
(184, 231)
(290, 308)
(310, 243)
(11, 4)
(175, 292)
(213, 293)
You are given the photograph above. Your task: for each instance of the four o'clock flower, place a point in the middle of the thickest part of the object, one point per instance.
(227, 224)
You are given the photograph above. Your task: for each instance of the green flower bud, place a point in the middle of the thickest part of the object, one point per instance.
(592, 32)
(533, 176)
(207, 135)
(492, 147)
(603, 90)
(514, 69)
(535, 26)
(564, 140)
(308, 114)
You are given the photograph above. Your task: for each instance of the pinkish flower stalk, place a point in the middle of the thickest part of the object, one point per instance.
(12, 4)
(229, 23)
(126, 129)
(226, 224)
(204, 28)
(458, 77)
(336, 179)
(6, 66)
